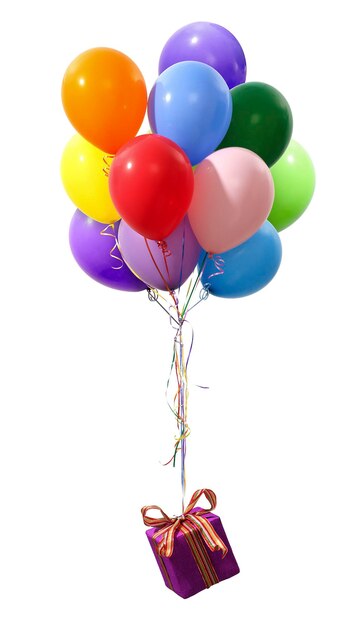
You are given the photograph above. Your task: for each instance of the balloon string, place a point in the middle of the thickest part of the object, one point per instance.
(167, 287)
(189, 287)
(203, 295)
(157, 267)
(180, 360)
(185, 307)
(177, 366)
(180, 410)
(182, 257)
(180, 363)
(112, 254)
(181, 404)
(153, 296)
(184, 425)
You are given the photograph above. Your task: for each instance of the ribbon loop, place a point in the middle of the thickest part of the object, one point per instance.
(187, 523)
(154, 521)
(210, 496)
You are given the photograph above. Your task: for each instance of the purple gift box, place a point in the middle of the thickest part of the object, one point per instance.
(193, 566)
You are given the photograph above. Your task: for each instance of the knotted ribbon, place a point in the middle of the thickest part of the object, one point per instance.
(188, 523)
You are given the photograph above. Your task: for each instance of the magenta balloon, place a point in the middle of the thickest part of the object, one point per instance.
(181, 256)
(233, 195)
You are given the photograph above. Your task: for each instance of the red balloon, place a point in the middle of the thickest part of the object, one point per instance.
(151, 183)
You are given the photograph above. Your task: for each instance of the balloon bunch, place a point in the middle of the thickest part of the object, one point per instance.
(208, 187)
(202, 113)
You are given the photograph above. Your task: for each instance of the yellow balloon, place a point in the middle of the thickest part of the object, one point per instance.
(84, 172)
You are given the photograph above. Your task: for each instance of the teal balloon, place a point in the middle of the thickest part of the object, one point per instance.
(245, 269)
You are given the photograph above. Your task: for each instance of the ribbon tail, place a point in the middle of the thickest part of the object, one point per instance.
(210, 536)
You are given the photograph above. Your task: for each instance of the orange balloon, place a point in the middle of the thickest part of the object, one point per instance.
(104, 96)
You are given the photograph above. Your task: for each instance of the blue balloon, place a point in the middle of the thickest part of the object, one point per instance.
(245, 269)
(191, 104)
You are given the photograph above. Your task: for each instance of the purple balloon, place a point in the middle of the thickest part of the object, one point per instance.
(208, 43)
(92, 251)
(179, 252)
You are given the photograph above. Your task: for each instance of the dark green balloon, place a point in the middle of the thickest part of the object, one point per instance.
(261, 121)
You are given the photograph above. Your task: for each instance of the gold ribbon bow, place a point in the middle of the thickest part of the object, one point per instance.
(187, 523)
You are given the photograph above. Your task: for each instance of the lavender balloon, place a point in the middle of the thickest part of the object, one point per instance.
(208, 43)
(176, 258)
(92, 251)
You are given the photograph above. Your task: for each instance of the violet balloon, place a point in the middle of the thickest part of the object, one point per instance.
(92, 251)
(208, 43)
(175, 258)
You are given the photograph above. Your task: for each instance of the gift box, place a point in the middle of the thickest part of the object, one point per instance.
(200, 555)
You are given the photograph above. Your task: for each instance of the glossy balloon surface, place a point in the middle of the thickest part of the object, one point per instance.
(245, 269)
(261, 121)
(294, 184)
(91, 244)
(190, 103)
(104, 96)
(84, 173)
(151, 184)
(233, 195)
(208, 43)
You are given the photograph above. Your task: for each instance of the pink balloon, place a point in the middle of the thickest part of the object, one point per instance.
(233, 196)
(175, 258)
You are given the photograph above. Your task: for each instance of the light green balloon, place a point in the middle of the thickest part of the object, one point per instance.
(294, 184)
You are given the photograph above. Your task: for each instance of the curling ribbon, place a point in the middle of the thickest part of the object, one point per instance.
(219, 263)
(164, 248)
(107, 163)
(188, 523)
(112, 254)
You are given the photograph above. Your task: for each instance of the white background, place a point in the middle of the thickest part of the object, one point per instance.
(84, 424)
